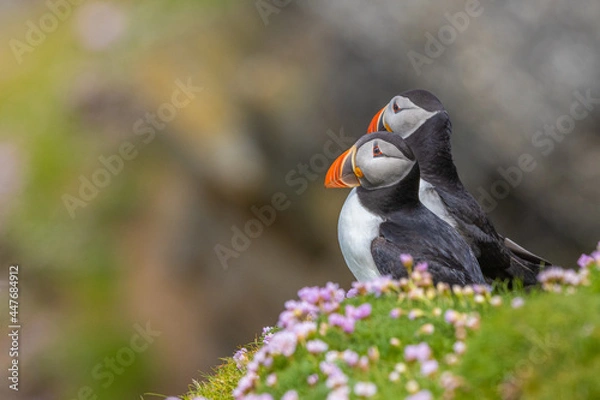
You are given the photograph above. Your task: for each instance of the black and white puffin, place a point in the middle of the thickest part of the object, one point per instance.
(383, 218)
(420, 118)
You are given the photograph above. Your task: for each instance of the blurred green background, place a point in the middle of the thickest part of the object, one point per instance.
(272, 82)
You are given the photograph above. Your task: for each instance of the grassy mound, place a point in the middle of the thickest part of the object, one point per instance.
(412, 340)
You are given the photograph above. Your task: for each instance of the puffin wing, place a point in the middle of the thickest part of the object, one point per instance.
(524, 271)
(387, 258)
(499, 257)
(479, 233)
(525, 254)
(392, 242)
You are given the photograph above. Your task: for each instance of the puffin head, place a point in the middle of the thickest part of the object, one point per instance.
(376, 161)
(405, 113)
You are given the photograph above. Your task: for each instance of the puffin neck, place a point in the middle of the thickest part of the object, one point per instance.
(431, 146)
(402, 195)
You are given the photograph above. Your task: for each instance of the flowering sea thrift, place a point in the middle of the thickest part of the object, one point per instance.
(517, 302)
(316, 346)
(429, 367)
(241, 358)
(420, 352)
(422, 395)
(365, 389)
(290, 395)
(324, 328)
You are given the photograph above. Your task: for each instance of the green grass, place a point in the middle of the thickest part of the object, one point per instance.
(223, 381)
(546, 348)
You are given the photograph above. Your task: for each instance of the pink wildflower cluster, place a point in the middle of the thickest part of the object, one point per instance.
(353, 314)
(461, 322)
(586, 261)
(299, 329)
(312, 301)
(557, 279)
(378, 286)
(267, 334)
(554, 279)
(421, 353)
(241, 358)
(282, 343)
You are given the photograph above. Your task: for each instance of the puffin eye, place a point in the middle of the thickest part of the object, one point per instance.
(396, 108)
(376, 150)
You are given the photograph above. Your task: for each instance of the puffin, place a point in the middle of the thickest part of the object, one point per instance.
(383, 218)
(419, 117)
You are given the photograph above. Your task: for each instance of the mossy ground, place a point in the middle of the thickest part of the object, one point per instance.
(546, 348)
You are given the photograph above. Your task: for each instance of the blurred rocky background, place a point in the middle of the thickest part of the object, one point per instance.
(138, 141)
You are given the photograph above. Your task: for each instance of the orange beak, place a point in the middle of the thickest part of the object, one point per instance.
(377, 124)
(342, 173)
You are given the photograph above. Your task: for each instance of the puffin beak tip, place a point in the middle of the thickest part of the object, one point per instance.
(341, 172)
(376, 121)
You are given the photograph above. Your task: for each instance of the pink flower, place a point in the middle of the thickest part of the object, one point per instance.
(310, 295)
(459, 347)
(496, 301)
(331, 356)
(396, 313)
(365, 389)
(328, 368)
(245, 384)
(406, 260)
(373, 353)
(267, 334)
(419, 352)
(429, 367)
(283, 343)
(422, 395)
(427, 329)
(336, 379)
(415, 313)
(451, 316)
(271, 380)
(316, 346)
(350, 357)
(360, 312)
(382, 284)
(363, 363)
(421, 267)
(584, 261)
(449, 381)
(341, 393)
(241, 358)
(472, 322)
(328, 308)
(312, 379)
(262, 396)
(303, 329)
(517, 302)
(347, 324)
(290, 395)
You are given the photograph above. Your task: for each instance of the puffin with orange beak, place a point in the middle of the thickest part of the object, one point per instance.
(420, 118)
(383, 218)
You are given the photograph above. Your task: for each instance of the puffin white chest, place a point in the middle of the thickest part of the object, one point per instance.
(357, 227)
(431, 199)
